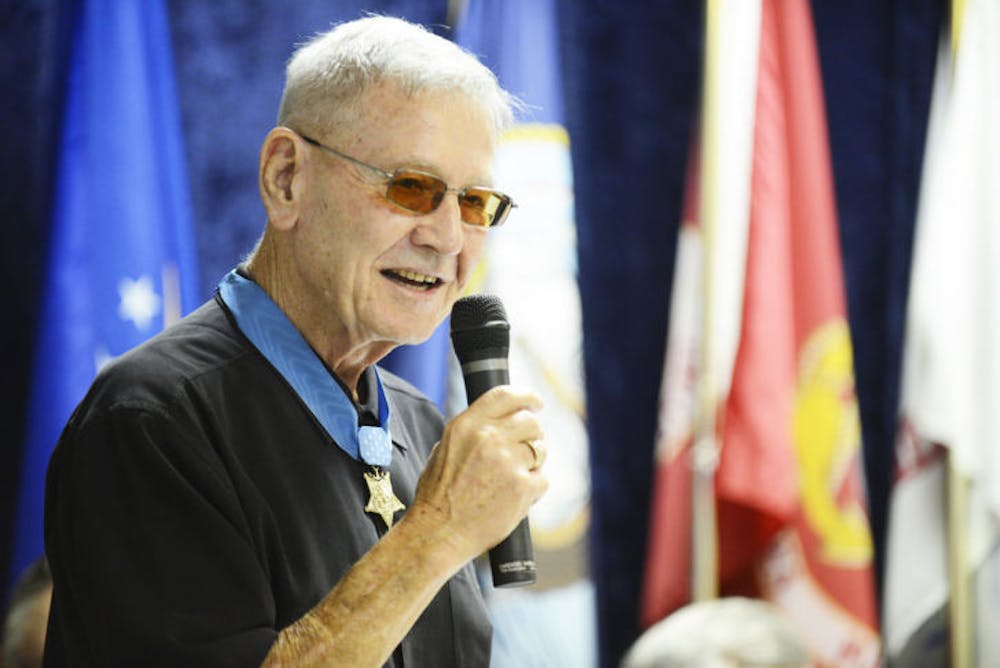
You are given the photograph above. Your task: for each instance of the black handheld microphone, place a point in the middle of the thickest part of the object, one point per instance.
(481, 337)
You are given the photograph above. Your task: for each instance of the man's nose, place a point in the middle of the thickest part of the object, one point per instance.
(442, 229)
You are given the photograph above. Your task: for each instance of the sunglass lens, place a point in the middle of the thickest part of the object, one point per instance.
(420, 193)
(484, 207)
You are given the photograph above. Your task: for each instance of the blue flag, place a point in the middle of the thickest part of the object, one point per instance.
(122, 263)
(518, 40)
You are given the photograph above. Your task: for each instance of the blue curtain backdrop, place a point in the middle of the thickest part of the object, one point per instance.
(631, 73)
(36, 39)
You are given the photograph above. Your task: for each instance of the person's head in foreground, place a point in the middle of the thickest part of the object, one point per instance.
(22, 635)
(722, 633)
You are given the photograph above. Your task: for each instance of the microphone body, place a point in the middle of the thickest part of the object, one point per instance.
(481, 337)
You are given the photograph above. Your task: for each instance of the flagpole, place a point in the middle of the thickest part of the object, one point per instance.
(957, 12)
(960, 608)
(960, 605)
(705, 451)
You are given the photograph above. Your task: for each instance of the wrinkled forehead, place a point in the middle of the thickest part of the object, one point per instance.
(390, 103)
(445, 132)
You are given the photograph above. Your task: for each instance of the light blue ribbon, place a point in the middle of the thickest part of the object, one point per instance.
(274, 335)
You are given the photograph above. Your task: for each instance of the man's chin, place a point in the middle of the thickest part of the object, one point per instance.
(408, 335)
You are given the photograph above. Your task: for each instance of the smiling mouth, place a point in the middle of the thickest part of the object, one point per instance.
(412, 279)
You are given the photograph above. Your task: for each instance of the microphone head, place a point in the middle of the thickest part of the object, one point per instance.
(476, 310)
(479, 328)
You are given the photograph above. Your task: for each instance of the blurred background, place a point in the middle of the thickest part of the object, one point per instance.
(161, 107)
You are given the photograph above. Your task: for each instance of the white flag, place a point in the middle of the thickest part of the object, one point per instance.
(951, 368)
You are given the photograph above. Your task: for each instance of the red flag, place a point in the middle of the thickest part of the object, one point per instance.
(667, 583)
(791, 517)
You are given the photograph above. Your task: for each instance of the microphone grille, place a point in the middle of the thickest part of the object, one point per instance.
(475, 311)
(479, 328)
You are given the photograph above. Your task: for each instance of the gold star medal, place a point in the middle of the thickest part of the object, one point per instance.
(382, 500)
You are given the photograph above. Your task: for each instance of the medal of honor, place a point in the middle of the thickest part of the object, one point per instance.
(382, 500)
(274, 335)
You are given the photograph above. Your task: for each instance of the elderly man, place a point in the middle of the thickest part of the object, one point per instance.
(244, 487)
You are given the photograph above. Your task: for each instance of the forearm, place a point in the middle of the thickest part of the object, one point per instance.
(478, 484)
(375, 604)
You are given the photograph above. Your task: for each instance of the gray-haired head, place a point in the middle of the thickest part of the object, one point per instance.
(730, 632)
(327, 75)
(23, 627)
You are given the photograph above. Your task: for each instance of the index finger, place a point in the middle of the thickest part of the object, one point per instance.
(504, 400)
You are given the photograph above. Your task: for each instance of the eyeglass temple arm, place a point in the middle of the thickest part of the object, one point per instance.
(333, 151)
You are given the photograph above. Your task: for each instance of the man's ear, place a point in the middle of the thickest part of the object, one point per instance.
(281, 178)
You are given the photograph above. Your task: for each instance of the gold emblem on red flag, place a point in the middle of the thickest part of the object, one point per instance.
(828, 443)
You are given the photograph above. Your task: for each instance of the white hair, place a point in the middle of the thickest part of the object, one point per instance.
(327, 75)
(732, 631)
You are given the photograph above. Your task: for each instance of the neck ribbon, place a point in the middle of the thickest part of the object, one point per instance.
(274, 335)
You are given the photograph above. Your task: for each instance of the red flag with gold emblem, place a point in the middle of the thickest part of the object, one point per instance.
(790, 468)
(792, 522)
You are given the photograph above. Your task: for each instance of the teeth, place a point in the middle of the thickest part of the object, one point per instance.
(419, 278)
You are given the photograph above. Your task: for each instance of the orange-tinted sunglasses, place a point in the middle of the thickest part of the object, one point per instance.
(421, 193)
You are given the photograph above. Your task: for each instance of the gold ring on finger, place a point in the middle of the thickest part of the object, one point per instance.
(535, 452)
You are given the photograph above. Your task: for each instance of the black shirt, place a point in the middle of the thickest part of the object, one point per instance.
(194, 508)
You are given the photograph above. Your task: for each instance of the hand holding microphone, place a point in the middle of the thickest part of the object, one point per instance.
(485, 474)
(481, 337)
